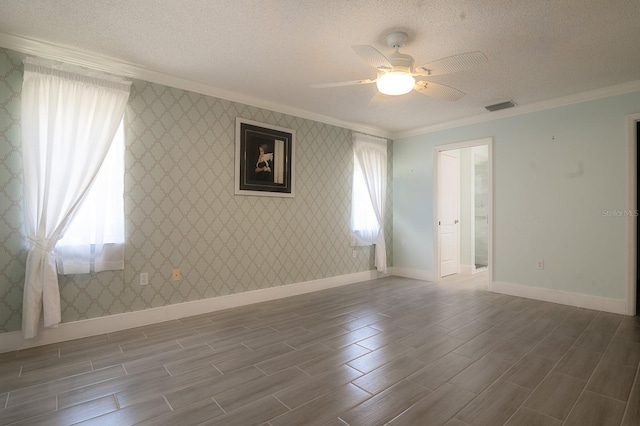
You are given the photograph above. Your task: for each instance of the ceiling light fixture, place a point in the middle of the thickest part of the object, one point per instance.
(395, 83)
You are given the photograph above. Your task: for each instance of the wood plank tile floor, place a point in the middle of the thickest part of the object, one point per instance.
(391, 350)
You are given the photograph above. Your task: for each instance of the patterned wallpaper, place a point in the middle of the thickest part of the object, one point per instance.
(181, 211)
(12, 239)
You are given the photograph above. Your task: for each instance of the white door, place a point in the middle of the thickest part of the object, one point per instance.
(449, 212)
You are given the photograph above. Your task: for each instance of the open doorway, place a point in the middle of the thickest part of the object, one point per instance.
(478, 211)
(633, 233)
(634, 206)
(463, 208)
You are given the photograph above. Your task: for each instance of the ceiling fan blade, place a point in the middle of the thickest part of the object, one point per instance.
(451, 64)
(439, 91)
(372, 56)
(341, 83)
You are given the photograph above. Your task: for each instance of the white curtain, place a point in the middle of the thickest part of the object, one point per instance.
(94, 240)
(69, 119)
(369, 192)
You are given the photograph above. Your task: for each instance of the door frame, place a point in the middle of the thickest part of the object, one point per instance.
(436, 229)
(632, 205)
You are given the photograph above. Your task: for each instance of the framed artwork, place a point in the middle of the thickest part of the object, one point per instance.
(264, 160)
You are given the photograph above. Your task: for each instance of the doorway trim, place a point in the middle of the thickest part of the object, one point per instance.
(632, 206)
(436, 229)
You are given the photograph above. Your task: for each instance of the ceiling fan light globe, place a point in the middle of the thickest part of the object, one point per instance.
(395, 83)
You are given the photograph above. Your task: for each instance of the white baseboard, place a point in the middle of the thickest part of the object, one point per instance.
(416, 274)
(467, 269)
(471, 269)
(91, 327)
(615, 306)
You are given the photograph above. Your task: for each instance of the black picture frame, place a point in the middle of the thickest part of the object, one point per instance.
(264, 159)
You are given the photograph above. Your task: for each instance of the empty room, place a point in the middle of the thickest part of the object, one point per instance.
(319, 212)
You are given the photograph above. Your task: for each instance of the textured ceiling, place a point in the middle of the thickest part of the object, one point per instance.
(271, 51)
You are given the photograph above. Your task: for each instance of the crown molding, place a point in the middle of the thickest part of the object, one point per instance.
(126, 69)
(620, 89)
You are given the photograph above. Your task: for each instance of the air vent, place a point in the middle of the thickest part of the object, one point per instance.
(501, 105)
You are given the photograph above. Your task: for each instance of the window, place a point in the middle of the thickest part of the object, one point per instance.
(369, 190)
(96, 232)
(364, 223)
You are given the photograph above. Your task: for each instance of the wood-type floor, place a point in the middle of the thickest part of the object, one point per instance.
(391, 350)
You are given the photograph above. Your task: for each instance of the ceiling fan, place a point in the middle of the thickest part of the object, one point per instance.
(397, 74)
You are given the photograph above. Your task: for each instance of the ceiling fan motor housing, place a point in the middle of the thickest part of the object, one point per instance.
(401, 62)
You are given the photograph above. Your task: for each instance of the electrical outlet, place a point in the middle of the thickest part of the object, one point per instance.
(175, 276)
(540, 264)
(144, 278)
(354, 253)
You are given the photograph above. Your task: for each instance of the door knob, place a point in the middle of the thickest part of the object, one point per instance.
(455, 221)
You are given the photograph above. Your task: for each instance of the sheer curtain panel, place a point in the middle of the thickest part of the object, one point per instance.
(94, 240)
(369, 192)
(69, 119)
